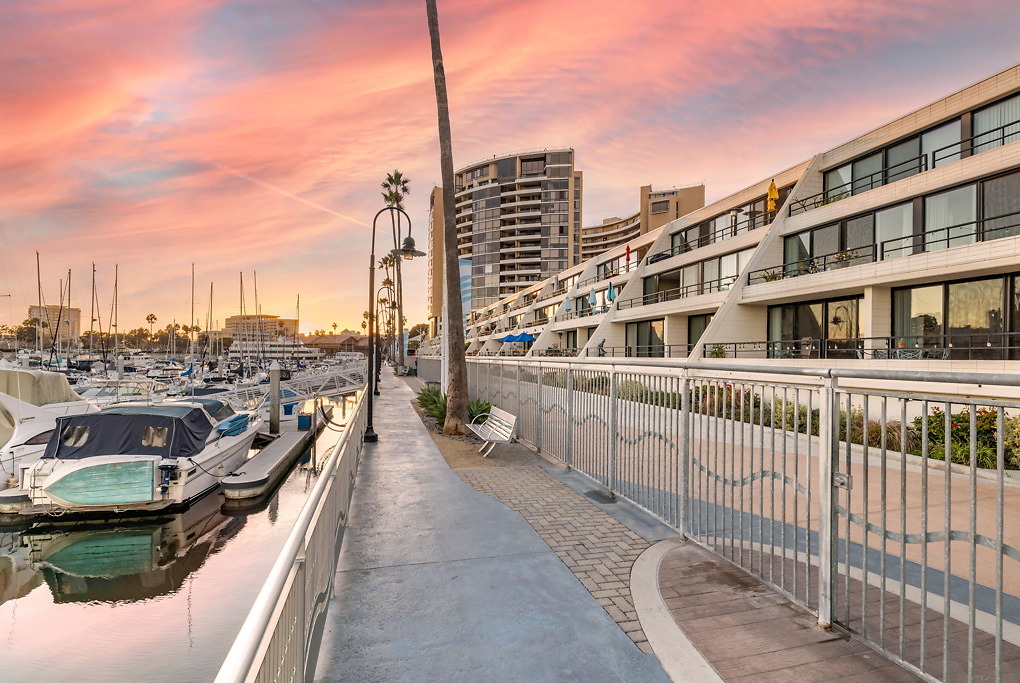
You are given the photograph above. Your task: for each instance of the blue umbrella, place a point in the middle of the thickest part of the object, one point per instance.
(566, 303)
(508, 338)
(611, 292)
(525, 337)
(592, 300)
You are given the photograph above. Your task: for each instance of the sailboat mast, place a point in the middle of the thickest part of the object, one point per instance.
(92, 311)
(191, 330)
(116, 314)
(38, 319)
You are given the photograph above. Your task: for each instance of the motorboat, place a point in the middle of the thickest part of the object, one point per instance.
(137, 456)
(30, 403)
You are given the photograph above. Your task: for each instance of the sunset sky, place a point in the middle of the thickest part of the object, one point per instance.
(252, 135)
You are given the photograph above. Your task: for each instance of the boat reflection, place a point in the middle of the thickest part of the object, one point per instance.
(17, 577)
(130, 561)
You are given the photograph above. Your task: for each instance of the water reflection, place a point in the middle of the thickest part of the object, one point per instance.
(132, 561)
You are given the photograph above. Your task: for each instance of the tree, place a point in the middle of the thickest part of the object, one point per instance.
(457, 389)
(151, 318)
(420, 328)
(395, 188)
(334, 328)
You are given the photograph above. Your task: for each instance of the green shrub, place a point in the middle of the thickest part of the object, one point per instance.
(478, 407)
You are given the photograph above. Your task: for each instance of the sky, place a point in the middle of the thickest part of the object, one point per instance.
(251, 136)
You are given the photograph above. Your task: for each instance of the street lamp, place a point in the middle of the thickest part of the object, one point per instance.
(390, 311)
(407, 251)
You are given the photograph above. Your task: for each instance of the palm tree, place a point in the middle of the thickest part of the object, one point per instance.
(395, 188)
(457, 389)
(151, 318)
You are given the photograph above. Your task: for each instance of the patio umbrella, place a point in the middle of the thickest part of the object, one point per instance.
(566, 303)
(611, 292)
(525, 337)
(772, 196)
(508, 338)
(592, 300)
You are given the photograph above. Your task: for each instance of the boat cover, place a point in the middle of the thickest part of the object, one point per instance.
(119, 431)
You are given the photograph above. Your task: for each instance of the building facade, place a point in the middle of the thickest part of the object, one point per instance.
(657, 207)
(899, 247)
(518, 221)
(256, 326)
(59, 323)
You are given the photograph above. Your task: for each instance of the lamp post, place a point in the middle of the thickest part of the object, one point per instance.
(387, 322)
(406, 251)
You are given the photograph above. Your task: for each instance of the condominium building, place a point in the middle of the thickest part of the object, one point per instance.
(58, 323)
(518, 221)
(898, 247)
(657, 207)
(260, 326)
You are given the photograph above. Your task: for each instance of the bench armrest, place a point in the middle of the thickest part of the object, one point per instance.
(478, 416)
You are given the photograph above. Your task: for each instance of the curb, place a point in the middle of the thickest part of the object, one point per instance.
(681, 661)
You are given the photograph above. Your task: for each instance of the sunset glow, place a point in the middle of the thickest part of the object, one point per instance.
(252, 135)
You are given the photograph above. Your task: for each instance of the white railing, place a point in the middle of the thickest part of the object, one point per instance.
(275, 640)
(831, 485)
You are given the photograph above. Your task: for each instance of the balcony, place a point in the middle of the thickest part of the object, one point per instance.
(606, 275)
(911, 167)
(949, 346)
(987, 229)
(752, 222)
(720, 285)
(583, 312)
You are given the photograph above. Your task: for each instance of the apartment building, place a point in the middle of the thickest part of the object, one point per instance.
(518, 221)
(58, 322)
(899, 247)
(656, 208)
(260, 326)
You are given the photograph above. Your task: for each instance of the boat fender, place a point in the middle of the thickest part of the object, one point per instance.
(168, 468)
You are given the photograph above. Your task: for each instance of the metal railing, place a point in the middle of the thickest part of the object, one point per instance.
(276, 638)
(707, 287)
(750, 223)
(933, 346)
(905, 169)
(642, 351)
(879, 506)
(984, 230)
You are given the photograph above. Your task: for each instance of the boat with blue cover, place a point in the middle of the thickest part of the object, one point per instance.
(140, 456)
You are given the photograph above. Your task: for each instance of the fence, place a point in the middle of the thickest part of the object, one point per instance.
(831, 486)
(275, 640)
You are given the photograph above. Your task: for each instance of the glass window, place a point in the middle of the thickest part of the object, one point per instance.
(949, 218)
(711, 274)
(996, 125)
(1001, 206)
(842, 319)
(154, 436)
(825, 240)
(837, 182)
(728, 269)
(918, 316)
(976, 316)
(696, 326)
(661, 206)
(743, 258)
(75, 436)
(645, 339)
(860, 235)
(796, 249)
(903, 160)
(867, 173)
(894, 228)
(39, 439)
(692, 279)
(942, 145)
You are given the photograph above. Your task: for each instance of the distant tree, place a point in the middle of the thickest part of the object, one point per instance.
(420, 328)
(151, 318)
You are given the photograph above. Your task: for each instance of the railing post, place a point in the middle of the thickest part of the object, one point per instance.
(828, 433)
(568, 456)
(538, 409)
(520, 401)
(684, 453)
(613, 431)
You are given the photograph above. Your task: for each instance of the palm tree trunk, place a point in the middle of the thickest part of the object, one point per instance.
(457, 399)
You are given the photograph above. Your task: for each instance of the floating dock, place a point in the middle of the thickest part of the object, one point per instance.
(258, 474)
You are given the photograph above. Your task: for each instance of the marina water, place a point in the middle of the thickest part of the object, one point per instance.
(155, 600)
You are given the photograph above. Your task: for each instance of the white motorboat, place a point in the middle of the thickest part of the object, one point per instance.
(138, 456)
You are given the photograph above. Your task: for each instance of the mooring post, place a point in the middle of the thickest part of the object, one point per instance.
(120, 367)
(274, 398)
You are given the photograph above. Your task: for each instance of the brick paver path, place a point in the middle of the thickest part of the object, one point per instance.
(599, 550)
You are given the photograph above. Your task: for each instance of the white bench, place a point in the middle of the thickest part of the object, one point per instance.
(499, 427)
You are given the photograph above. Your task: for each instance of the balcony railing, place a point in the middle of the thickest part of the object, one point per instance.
(554, 351)
(987, 229)
(583, 312)
(649, 351)
(750, 223)
(911, 167)
(695, 289)
(935, 346)
(608, 274)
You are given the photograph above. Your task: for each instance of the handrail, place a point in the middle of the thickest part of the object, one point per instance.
(751, 223)
(243, 654)
(706, 287)
(881, 177)
(962, 144)
(892, 248)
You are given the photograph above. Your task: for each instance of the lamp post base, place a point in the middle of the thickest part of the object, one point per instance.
(370, 436)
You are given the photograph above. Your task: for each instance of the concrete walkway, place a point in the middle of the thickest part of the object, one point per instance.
(437, 581)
